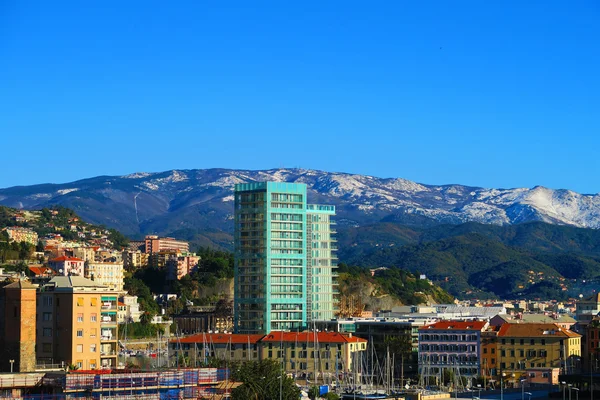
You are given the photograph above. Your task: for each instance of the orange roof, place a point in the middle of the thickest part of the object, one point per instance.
(66, 258)
(455, 325)
(321, 337)
(121, 304)
(41, 270)
(220, 338)
(535, 330)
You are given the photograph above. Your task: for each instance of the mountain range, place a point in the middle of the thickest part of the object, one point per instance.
(470, 240)
(199, 202)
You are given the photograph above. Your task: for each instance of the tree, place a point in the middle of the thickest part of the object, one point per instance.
(263, 380)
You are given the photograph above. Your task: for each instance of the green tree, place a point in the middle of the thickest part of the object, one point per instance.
(263, 380)
(313, 393)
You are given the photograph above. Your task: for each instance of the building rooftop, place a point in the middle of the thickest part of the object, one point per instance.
(456, 325)
(21, 284)
(220, 338)
(74, 281)
(535, 330)
(303, 337)
(65, 258)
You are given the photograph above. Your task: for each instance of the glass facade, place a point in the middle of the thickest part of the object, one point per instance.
(273, 272)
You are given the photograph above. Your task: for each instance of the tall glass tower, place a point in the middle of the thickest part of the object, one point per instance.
(273, 273)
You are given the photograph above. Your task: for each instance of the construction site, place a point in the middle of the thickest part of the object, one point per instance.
(191, 383)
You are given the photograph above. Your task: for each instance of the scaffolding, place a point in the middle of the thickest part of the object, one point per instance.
(191, 383)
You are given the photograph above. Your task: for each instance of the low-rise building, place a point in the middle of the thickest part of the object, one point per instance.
(132, 308)
(451, 346)
(109, 274)
(525, 346)
(180, 265)
(313, 355)
(66, 265)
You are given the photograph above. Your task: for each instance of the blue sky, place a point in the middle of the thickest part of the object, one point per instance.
(494, 94)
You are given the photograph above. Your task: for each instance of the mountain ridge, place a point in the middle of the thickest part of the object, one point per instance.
(174, 200)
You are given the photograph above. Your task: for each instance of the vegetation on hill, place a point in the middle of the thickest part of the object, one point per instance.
(474, 260)
(401, 285)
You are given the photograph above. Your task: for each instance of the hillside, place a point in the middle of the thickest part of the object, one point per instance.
(198, 204)
(61, 221)
(475, 265)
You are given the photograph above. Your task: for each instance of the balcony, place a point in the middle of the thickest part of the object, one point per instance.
(109, 319)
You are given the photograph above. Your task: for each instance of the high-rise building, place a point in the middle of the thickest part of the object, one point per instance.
(274, 276)
(321, 262)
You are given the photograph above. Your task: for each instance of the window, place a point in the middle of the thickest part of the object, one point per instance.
(94, 302)
(532, 374)
(79, 364)
(80, 302)
(47, 301)
(545, 375)
(532, 342)
(47, 347)
(485, 350)
(80, 333)
(94, 317)
(80, 317)
(92, 364)
(80, 348)
(47, 332)
(93, 332)
(543, 342)
(92, 348)
(47, 316)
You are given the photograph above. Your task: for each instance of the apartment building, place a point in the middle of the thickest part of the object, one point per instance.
(77, 323)
(109, 274)
(274, 283)
(303, 354)
(66, 265)
(313, 354)
(453, 346)
(134, 259)
(525, 346)
(18, 327)
(181, 264)
(18, 234)
(155, 244)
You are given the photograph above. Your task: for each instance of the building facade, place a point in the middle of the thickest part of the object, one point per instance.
(312, 355)
(525, 346)
(77, 323)
(155, 244)
(109, 274)
(272, 274)
(65, 265)
(452, 346)
(19, 323)
(18, 234)
(321, 262)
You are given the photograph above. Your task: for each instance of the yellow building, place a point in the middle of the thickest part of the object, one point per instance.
(301, 353)
(18, 234)
(109, 274)
(526, 346)
(77, 323)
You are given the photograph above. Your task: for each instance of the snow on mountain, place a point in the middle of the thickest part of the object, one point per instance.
(204, 196)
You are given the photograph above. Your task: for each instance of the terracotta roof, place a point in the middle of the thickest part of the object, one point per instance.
(121, 304)
(66, 258)
(455, 325)
(535, 330)
(220, 338)
(41, 270)
(321, 337)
